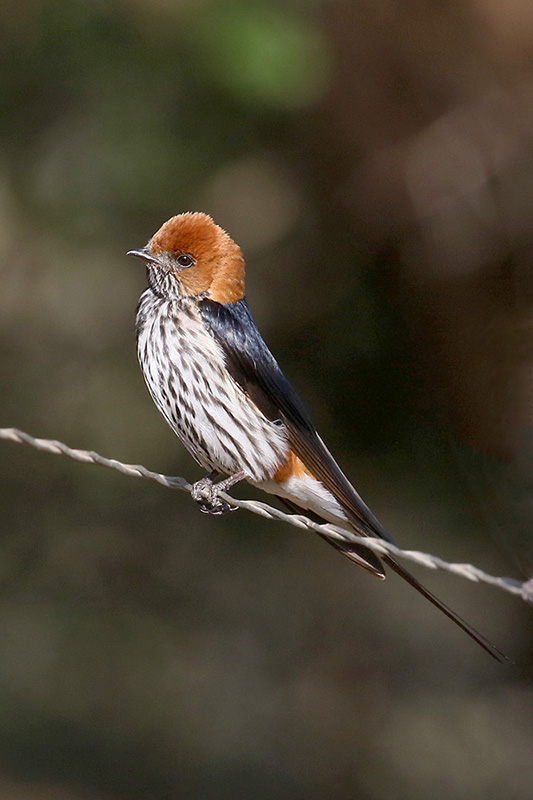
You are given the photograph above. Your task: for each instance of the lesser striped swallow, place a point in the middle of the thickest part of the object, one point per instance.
(220, 389)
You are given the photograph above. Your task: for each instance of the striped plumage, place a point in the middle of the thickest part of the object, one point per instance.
(185, 371)
(221, 391)
(186, 374)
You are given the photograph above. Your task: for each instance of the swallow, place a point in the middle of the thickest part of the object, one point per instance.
(220, 389)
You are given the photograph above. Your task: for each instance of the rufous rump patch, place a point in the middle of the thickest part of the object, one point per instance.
(219, 264)
(293, 467)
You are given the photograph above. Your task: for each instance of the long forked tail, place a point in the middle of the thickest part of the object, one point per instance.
(364, 557)
(489, 648)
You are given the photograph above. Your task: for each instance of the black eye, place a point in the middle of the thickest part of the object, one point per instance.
(185, 261)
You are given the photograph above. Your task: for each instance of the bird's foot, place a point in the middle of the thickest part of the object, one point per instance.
(206, 493)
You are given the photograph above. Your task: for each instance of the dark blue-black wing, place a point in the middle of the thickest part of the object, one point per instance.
(255, 369)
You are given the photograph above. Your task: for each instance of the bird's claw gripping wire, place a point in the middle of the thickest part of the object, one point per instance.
(206, 493)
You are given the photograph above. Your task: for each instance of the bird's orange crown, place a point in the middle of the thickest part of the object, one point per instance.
(218, 267)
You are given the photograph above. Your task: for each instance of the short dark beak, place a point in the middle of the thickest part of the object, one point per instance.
(143, 253)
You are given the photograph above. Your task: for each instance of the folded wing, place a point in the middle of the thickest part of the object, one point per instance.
(255, 369)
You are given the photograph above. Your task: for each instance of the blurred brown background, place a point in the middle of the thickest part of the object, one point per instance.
(375, 162)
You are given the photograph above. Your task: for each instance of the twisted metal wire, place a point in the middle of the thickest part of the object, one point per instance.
(523, 589)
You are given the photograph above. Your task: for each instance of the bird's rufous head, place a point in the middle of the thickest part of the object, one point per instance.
(198, 256)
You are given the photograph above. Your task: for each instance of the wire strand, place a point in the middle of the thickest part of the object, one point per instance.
(523, 589)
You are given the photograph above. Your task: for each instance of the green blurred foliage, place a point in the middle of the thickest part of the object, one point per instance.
(148, 651)
(260, 54)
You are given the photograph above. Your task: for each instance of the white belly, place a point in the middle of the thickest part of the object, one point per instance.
(309, 494)
(185, 372)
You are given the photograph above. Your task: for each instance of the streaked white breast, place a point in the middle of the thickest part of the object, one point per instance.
(185, 371)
